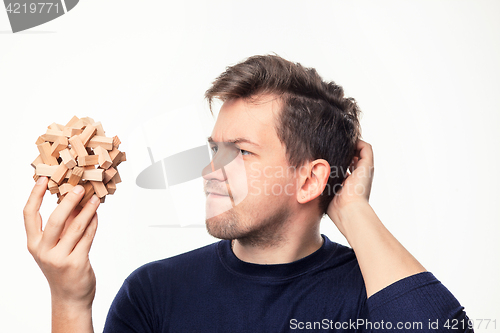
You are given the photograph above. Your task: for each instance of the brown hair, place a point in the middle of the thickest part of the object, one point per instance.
(316, 121)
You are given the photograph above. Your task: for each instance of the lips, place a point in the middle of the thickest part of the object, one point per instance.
(215, 191)
(216, 194)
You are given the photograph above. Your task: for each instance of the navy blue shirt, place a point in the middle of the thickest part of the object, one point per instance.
(210, 290)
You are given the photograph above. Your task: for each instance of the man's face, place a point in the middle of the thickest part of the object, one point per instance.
(258, 187)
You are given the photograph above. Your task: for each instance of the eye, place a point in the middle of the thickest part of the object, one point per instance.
(215, 149)
(245, 151)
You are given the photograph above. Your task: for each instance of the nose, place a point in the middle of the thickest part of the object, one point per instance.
(211, 173)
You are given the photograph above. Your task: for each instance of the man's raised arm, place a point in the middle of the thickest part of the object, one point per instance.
(382, 259)
(396, 293)
(61, 250)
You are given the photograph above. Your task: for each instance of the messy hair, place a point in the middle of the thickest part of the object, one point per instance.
(316, 120)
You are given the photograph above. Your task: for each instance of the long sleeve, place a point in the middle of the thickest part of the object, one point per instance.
(418, 303)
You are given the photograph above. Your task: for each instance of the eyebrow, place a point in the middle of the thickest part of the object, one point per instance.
(237, 140)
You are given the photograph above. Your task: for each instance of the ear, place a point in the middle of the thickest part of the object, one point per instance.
(313, 178)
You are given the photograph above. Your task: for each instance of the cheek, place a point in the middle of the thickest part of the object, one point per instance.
(270, 185)
(264, 184)
(237, 179)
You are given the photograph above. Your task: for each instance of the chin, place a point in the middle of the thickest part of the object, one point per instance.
(222, 226)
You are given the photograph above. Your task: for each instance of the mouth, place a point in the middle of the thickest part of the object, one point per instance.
(215, 195)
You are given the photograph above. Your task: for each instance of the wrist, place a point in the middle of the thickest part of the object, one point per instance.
(71, 309)
(70, 316)
(70, 305)
(352, 218)
(348, 209)
(80, 297)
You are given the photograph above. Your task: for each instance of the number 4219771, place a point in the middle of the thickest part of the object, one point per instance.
(38, 8)
(455, 324)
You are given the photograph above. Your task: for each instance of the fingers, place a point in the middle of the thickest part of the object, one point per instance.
(78, 226)
(82, 248)
(70, 219)
(32, 220)
(57, 219)
(365, 151)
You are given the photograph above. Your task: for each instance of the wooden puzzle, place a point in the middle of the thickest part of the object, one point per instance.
(79, 153)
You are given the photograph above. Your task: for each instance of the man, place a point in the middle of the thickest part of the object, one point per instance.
(295, 137)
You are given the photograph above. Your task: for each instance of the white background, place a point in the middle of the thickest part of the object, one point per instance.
(426, 75)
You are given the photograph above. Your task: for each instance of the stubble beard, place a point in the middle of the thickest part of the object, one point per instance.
(268, 232)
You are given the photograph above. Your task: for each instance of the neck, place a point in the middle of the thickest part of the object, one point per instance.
(296, 244)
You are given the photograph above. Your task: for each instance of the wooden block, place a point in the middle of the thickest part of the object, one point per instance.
(53, 188)
(99, 129)
(79, 124)
(89, 191)
(109, 174)
(45, 170)
(103, 157)
(95, 174)
(52, 135)
(35, 177)
(87, 133)
(71, 131)
(116, 156)
(60, 198)
(65, 188)
(88, 160)
(67, 158)
(116, 141)
(40, 140)
(72, 121)
(73, 153)
(111, 187)
(103, 199)
(58, 145)
(121, 158)
(116, 177)
(113, 153)
(76, 144)
(54, 126)
(75, 176)
(99, 188)
(45, 153)
(59, 174)
(104, 142)
(88, 121)
(37, 161)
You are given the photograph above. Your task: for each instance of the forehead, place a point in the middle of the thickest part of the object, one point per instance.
(254, 120)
